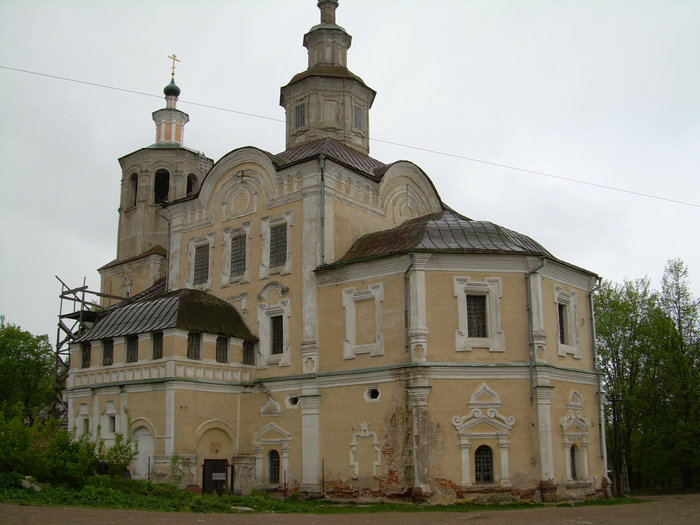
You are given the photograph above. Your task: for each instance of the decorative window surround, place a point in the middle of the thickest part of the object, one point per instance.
(484, 403)
(192, 245)
(228, 234)
(270, 407)
(265, 312)
(364, 433)
(109, 422)
(265, 224)
(271, 436)
(569, 302)
(495, 337)
(373, 292)
(575, 428)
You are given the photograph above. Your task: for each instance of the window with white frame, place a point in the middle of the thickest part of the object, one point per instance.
(273, 326)
(238, 255)
(276, 255)
(199, 258)
(363, 321)
(566, 303)
(236, 243)
(479, 316)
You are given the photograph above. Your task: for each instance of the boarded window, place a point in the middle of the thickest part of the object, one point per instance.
(476, 316)
(161, 187)
(201, 264)
(300, 116)
(133, 190)
(222, 349)
(193, 345)
(132, 348)
(563, 324)
(107, 352)
(483, 464)
(273, 467)
(357, 118)
(248, 353)
(238, 255)
(85, 355)
(278, 245)
(157, 341)
(276, 334)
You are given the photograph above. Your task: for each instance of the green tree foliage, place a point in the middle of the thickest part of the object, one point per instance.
(27, 370)
(648, 357)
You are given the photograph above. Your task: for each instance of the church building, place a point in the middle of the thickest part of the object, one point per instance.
(319, 320)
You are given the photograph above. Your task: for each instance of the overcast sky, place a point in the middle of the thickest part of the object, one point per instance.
(605, 91)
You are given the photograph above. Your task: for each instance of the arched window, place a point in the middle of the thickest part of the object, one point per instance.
(483, 464)
(161, 186)
(133, 190)
(574, 460)
(273, 466)
(191, 184)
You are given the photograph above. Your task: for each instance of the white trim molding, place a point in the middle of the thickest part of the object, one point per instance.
(265, 313)
(362, 434)
(569, 302)
(374, 292)
(495, 339)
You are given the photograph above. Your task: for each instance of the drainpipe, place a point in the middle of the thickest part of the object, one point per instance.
(405, 300)
(529, 328)
(322, 243)
(601, 429)
(167, 252)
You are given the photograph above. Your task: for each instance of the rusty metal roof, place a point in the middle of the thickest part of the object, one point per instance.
(444, 232)
(191, 310)
(334, 150)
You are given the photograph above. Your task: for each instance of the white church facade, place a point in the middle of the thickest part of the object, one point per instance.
(321, 320)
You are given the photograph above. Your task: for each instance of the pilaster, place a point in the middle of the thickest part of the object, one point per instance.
(310, 403)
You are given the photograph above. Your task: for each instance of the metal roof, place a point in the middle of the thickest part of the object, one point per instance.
(333, 150)
(191, 310)
(445, 231)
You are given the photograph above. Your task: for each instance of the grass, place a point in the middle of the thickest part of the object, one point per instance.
(115, 493)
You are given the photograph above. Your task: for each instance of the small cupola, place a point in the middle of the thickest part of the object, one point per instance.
(170, 121)
(327, 100)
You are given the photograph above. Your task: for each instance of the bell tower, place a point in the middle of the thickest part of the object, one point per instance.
(151, 178)
(327, 100)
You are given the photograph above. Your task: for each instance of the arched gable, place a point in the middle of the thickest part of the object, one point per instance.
(406, 192)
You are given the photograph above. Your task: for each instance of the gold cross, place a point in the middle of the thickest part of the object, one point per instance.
(174, 58)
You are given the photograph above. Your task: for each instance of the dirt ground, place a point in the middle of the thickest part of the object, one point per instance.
(662, 510)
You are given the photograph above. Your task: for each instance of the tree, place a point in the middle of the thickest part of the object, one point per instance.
(27, 370)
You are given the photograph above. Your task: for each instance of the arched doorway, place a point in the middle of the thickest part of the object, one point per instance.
(143, 463)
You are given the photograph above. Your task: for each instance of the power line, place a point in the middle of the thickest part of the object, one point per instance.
(408, 146)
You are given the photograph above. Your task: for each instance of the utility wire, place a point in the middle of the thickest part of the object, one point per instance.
(408, 146)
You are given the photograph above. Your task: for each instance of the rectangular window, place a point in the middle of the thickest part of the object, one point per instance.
(277, 335)
(132, 348)
(201, 264)
(248, 353)
(222, 349)
(111, 424)
(85, 355)
(476, 316)
(193, 345)
(357, 120)
(107, 352)
(157, 341)
(563, 324)
(238, 255)
(300, 116)
(278, 245)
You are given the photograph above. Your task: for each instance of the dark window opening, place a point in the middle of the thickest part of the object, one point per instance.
(273, 466)
(201, 264)
(191, 184)
(277, 334)
(132, 348)
(294, 401)
(248, 353)
(161, 187)
(563, 321)
(133, 190)
(111, 424)
(300, 116)
(157, 340)
(278, 245)
(222, 349)
(373, 393)
(574, 457)
(107, 352)
(193, 345)
(483, 464)
(238, 255)
(476, 316)
(85, 355)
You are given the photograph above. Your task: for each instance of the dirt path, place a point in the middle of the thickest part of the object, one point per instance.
(663, 510)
